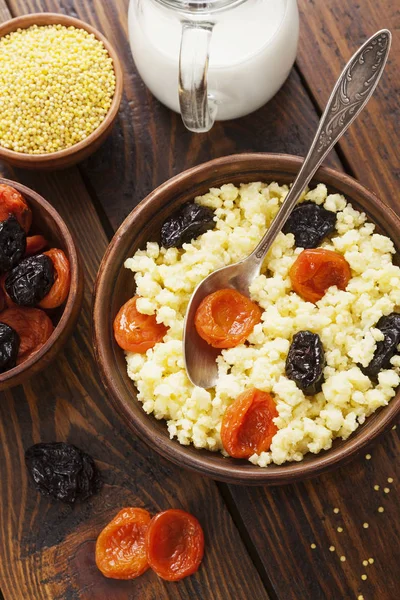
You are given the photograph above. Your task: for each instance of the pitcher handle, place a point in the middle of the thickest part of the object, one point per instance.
(198, 107)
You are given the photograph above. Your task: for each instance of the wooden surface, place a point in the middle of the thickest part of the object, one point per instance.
(258, 540)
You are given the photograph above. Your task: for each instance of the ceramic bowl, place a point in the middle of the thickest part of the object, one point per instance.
(81, 150)
(48, 222)
(115, 285)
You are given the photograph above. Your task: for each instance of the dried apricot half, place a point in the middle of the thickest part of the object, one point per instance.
(226, 318)
(247, 426)
(33, 326)
(175, 544)
(62, 280)
(120, 547)
(134, 331)
(316, 270)
(13, 203)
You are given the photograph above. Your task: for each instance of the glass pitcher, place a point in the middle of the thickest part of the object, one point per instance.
(213, 59)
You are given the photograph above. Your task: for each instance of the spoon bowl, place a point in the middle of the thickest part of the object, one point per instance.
(200, 357)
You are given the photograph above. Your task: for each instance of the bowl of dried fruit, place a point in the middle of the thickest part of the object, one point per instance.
(308, 365)
(41, 283)
(68, 79)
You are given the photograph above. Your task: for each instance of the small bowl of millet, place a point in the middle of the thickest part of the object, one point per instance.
(61, 84)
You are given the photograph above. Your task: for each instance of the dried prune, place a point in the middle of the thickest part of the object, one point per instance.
(386, 348)
(12, 243)
(305, 362)
(62, 471)
(9, 346)
(29, 282)
(187, 223)
(310, 223)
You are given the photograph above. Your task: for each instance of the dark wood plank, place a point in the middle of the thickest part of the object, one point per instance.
(295, 517)
(44, 545)
(148, 145)
(47, 550)
(330, 33)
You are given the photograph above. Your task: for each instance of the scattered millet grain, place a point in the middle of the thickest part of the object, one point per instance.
(365, 525)
(368, 456)
(386, 490)
(364, 577)
(332, 548)
(381, 509)
(390, 479)
(313, 546)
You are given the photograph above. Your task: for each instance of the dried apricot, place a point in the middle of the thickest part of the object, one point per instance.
(247, 425)
(35, 244)
(226, 318)
(134, 331)
(62, 280)
(316, 270)
(175, 544)
(120, 547)
(33, 326)
(13, 203)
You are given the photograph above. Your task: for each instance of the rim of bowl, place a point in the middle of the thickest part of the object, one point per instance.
(25, 21)
(242, 472)
(74, 295)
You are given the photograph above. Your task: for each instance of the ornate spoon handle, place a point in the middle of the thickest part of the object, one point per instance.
(351, 93)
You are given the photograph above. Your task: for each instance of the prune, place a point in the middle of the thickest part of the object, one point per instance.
(62, 471)
(12, 243)
(305, 362)
(386, 348)
(29, 282)
(9, 346)
(187, 223)
(310, 223)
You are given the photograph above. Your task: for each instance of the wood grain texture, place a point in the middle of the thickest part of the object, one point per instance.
(296, 516)
(330, 33)
(43, 545)
(47, 549)
(148, 145)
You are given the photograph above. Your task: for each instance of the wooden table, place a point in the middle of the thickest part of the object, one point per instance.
(258, 540)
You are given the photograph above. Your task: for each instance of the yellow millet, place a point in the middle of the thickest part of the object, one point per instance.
(56, 87)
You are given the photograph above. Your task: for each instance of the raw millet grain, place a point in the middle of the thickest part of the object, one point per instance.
(57, 85)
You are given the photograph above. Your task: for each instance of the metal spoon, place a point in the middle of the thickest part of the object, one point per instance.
(351, 93)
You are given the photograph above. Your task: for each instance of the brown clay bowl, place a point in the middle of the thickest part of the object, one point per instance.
(74, 154)
(115, 285)
(48, 222)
